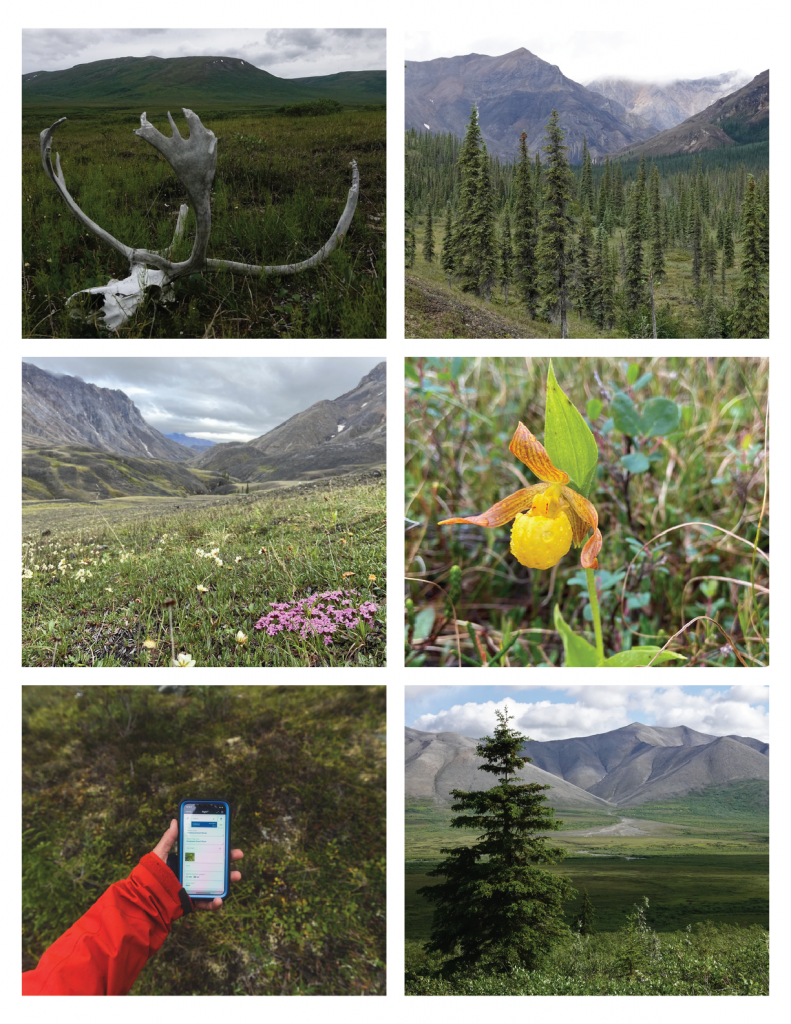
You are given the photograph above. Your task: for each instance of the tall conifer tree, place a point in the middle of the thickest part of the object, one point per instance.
(555, 232)
(428, 237)
(633, 269)
(525, 230)
(496, 906)
(750, 318)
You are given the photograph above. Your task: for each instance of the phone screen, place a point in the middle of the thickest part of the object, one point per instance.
(204, 839)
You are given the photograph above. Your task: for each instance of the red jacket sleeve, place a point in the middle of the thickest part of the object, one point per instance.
(103, 952)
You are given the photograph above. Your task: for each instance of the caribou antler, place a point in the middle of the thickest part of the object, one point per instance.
(194, 160)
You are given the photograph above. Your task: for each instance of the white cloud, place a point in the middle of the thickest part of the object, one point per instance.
(599, 709)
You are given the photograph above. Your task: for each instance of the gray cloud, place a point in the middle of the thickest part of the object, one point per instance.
(287, 53)
(219, 398)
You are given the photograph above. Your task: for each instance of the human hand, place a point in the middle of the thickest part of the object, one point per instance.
(165, 845)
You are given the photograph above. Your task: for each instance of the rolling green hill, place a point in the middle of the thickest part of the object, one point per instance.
(80, 473)
(191, 82)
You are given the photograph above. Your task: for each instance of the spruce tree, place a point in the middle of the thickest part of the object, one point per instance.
(448, 256)
(633, 269)
(469, 177)
(496, 907)
(586, 179)
(525, 273)
(484, 238)
(750, 318)
(506, 257)
(428, 237)
(656, 261)
(588, 914)
(555, 231)
(410, 244)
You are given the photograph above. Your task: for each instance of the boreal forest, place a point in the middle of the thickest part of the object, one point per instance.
(673, 247)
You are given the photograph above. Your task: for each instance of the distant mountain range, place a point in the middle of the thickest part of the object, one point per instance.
(206, 82)
(623, 768)
(739, 118)
(331, 436)
(197, 444)
(670, 103)
(517, 92)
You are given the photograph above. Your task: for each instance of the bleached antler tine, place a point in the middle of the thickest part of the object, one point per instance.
(56, 176)
(293, 268)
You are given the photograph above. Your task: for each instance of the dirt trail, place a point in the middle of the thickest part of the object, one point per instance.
(624, 827)
(433, 313)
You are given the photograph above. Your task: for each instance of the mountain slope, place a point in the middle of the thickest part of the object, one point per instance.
(80, 473)
(515, 92)
(59, 409)
(624, 767)
(191, 82)
(737, 119)
(671, 103)
(343, 433)
(437, 763)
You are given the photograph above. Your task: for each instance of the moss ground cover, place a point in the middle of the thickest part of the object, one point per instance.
(657, 576)
(139, 589)
(104, 769)
(280, 187)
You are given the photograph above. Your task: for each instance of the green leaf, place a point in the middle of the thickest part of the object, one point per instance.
(594, 408)
(568, 439)
(632, 373)
(635, 462)
(624, 414)
(579, 653)
(640, 656)
(660, 416)
(424, 623)
(410, 371)
(642, 381)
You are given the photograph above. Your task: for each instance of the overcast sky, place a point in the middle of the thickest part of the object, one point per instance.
(284, 52)
(675, 39)
(222, 398)
(560, 712)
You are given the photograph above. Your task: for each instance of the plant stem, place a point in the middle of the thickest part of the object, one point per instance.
(595, 609)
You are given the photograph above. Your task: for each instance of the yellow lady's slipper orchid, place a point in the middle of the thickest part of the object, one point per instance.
(548, 516)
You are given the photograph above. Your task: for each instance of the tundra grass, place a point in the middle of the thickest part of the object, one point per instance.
(279, 190)
(141, 590)
(104, 769)
(705, 587)
(683, 888)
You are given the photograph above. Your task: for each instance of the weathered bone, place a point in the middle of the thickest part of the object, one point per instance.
(194, 160)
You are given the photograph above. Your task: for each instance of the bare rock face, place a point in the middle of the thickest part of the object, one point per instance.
(671, 103)
(621, 768)
(741, 116)
(58, 409)
(332, 435)
(516, 92)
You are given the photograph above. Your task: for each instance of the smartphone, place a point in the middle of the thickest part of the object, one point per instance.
(205, 848)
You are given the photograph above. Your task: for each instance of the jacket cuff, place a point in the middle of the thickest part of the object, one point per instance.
(169, 882)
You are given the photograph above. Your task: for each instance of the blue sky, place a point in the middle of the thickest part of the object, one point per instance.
(559, 712)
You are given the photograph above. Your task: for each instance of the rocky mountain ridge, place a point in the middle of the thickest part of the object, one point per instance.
(516, 92)
(333, 434)
(624, 767)
(58, 409)
(668, 104)
(742, 116)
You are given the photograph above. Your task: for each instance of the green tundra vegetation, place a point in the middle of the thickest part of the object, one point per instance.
(282, 180)
(104, 770)
(705, 585)
(682, 909)
(678, 248)
(133, 582)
